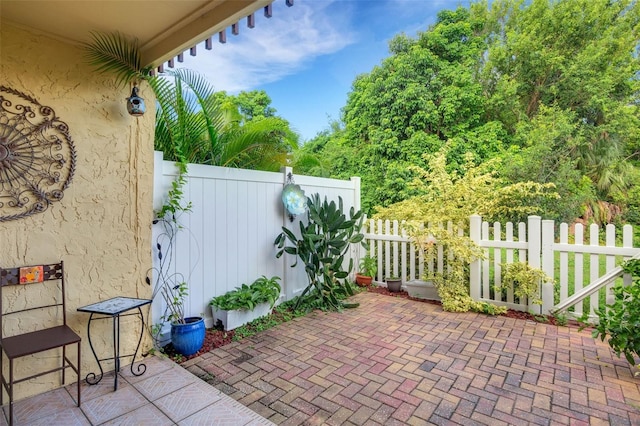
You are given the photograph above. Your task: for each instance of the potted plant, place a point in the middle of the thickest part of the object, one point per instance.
(394, 284)
(368, 268)
(187, 334)
(245, 303)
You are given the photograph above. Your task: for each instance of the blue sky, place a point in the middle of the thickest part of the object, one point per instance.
(307, 56)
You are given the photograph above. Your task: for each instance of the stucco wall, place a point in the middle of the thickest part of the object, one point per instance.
(102, 226)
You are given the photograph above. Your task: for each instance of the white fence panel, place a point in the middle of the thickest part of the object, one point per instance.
(570, 265)
(499, 248)
(537, 244)
(396, 253)
(227, 238)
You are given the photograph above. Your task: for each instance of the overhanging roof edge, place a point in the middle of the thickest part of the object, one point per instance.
(201, 28)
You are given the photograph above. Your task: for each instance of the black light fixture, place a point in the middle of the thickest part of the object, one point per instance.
(135, 104)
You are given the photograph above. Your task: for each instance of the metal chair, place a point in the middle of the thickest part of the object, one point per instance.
(43, 334)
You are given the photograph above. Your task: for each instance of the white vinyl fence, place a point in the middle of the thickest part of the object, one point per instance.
(571, 259)
(227, 238)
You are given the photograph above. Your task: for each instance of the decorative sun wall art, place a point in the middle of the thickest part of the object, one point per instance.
(37, 156)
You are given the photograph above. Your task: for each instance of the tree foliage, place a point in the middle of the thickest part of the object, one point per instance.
(205, 127)
(436, 218)
(549, 87)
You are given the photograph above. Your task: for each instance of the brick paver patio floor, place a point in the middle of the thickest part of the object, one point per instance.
(397, 361)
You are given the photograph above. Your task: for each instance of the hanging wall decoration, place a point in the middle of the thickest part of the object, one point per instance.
(37, 156)
(293, 198)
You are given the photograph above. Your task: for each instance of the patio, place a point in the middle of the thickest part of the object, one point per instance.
(396, 361)
(391, 361)
(166, 394)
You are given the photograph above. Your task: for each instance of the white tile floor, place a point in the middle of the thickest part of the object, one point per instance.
(166, 394)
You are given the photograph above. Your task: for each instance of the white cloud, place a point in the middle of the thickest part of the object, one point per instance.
(276, 47)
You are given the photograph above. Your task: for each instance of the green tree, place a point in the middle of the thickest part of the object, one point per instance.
(550, 86)
(568, 66)
(328, 154)
(543, 151)
(246, 106)
(424, 94)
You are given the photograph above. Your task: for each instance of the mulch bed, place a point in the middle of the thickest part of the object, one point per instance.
(216, 338)
(212, 339)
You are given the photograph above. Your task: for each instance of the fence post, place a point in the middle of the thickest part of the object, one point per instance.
(475, 227)
(534, 253)
(547, 265)
(354, 250)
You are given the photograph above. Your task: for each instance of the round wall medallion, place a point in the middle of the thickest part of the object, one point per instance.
(37, 156)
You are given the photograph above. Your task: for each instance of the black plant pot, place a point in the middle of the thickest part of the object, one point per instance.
(394, 285)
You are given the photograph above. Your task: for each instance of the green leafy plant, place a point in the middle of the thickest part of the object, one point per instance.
(368, 266)
(436, 218)
(322, 246)
(620, 321)
(174, 298)
(173, 205)
(524, 280)
(117, 55)
(262, 290)
(560, 318)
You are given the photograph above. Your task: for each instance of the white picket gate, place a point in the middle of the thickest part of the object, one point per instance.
(572, 265)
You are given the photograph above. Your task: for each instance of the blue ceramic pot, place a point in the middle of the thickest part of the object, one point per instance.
(188, 338)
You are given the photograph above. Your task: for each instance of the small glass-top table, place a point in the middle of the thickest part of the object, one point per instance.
(115, 308)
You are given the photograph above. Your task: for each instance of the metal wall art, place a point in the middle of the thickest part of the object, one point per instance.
(37, 156)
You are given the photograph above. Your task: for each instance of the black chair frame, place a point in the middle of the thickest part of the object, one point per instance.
(20, 345)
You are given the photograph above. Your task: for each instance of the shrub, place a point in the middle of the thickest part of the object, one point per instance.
(524, 280)
(621, 320)
(247, 297)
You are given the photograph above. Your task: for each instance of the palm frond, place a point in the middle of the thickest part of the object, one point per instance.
(188, 119)
(115, 54)
(258, 144)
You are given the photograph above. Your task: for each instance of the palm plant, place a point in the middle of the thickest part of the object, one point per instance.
(191, 126)
(188, 121)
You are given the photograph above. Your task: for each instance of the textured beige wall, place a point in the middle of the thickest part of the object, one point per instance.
(102, 226)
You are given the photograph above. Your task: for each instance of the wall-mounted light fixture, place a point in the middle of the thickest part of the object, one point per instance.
(135, 104)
